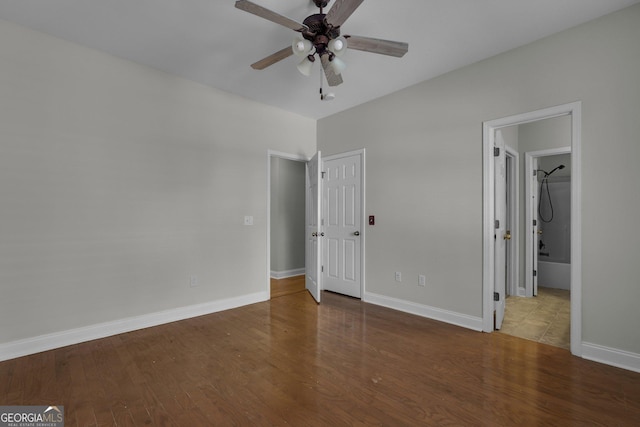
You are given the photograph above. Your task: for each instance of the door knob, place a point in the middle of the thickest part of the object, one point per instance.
(322, 234)
(314, 234)
(356, 233)
(507, 235)
(539, 231)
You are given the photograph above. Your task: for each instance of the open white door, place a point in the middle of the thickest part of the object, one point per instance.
(342, 204)
(536, 229)
(501, 234)
(313, 232)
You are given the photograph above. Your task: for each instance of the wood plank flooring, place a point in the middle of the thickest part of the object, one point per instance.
(287, 286)
(289, 361)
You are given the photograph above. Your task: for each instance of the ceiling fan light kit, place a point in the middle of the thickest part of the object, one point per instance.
(338, 46)
(301, 47)
(306, 65)
(320, 35)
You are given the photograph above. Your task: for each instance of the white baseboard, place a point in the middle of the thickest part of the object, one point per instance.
(454, 318)
(611, 356)
(287, 273)
(41, 343)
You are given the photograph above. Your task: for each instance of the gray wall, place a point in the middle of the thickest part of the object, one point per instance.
(424, 170)
(287, 215)
(119, 182)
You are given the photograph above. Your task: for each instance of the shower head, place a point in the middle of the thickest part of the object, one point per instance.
(555, 169)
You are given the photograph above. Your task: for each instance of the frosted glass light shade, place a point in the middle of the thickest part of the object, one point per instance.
(338, 65)
(305, 66)
(301, 47)
(338, 45)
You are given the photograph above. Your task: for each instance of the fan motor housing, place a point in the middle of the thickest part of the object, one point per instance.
(319, 33)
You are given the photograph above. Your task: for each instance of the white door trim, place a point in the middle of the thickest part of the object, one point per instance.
(500, 229)
(282, 155)
(363, 235)
(574, 110)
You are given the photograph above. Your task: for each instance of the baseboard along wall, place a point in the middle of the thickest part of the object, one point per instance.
(52, 341)
(594, 352)
(287, 273)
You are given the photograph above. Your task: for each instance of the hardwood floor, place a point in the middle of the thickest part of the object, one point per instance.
(289, 361)
(287, 286)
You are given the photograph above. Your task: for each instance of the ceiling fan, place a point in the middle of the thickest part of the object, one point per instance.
(320, 35)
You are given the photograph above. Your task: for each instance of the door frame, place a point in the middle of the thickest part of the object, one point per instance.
(573, 110)
(363, 234)
(530, 239)
(282, 155)
(499, 230)
(512, 159)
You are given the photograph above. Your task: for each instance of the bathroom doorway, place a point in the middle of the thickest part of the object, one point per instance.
(538, 134)
(543, 312)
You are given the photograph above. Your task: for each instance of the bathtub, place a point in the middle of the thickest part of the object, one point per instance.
(554, 275)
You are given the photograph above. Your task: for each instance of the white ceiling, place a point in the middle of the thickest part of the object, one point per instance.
(212, 42)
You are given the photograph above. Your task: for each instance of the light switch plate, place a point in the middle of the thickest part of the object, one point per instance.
(248, 220)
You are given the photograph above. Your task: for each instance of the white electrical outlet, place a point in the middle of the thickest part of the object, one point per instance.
(193, 281)
(398, 276)
(422, 280)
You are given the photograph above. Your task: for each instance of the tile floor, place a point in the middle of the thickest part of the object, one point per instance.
(545, 318)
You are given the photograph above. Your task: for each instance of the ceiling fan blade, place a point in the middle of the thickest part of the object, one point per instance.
(341, 11)
(384, 47)
(332, 78)
(270, 15)
(272, 59)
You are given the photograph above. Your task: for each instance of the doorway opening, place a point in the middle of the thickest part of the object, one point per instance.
(571, 114)
(541, 312)
(286, 223)
(323, 232)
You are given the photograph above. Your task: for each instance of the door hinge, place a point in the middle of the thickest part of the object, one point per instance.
(535, 222)
(322, 174)
(496, 151)
(535, 173)
(535, 273)
(322, 269)
(496, 296)
(496, 223)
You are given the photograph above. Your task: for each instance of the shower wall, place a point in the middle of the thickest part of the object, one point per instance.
(556, 234)
(554, 258)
